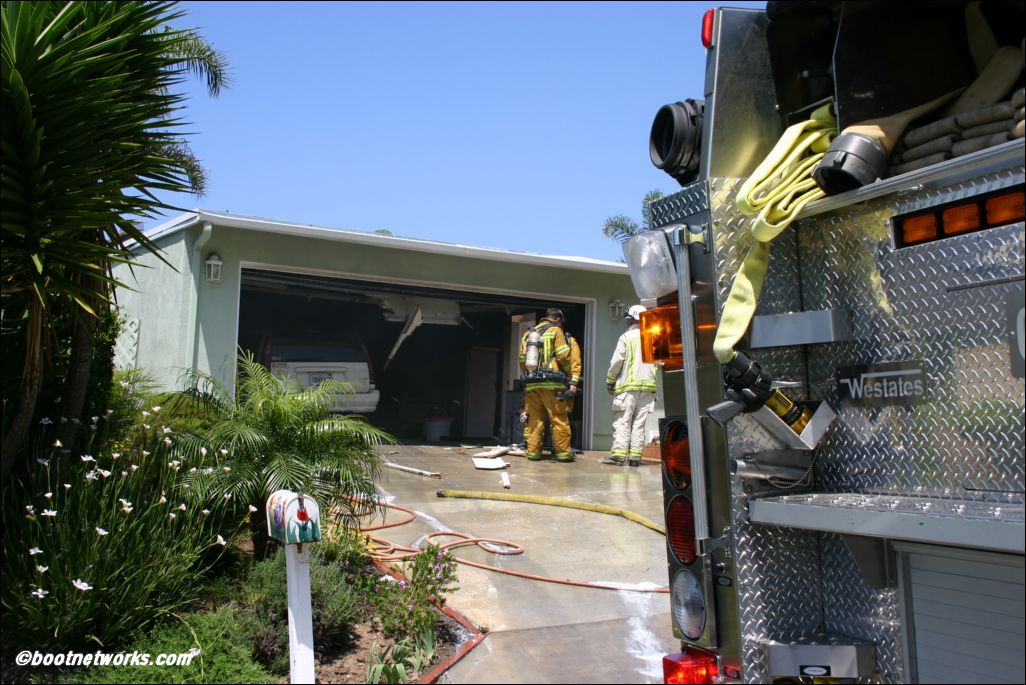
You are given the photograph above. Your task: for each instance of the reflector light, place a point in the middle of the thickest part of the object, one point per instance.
(688, 604)
(674, 450)
(961, 219)
(661, 341)
(707, 27)
(1006, 209)
(680, 529)
(692, 666)
(958, 218)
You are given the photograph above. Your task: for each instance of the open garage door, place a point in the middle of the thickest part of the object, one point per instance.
(426, 363)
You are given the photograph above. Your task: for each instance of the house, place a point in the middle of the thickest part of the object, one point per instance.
(233, 281)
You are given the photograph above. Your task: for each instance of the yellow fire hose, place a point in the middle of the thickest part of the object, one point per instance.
(775, 193)
(554, 502)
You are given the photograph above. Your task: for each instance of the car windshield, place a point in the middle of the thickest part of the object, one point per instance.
(317, 352)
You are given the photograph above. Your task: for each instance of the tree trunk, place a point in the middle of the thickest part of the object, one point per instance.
(258, 534)
(31, 382)
(76, 384)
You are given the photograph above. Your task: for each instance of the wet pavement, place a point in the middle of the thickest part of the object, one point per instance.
(540, 632)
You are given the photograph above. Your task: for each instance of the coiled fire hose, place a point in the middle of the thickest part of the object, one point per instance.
(774, 194)
(384, 551)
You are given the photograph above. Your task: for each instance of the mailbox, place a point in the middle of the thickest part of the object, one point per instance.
(293, 518)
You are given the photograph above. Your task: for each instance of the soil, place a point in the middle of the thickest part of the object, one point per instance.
(350, 665)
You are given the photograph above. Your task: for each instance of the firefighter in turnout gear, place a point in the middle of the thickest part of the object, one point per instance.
(545, 363)
(633, 386)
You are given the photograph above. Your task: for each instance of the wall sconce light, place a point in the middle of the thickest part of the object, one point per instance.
(615, 309)
(214, 268)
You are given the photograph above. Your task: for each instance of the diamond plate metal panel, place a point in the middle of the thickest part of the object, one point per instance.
(944, 304)
(687, 201)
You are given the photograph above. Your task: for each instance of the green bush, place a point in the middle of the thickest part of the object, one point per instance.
(101, 545)
(224, 656)
(336, 605)
(406, 606)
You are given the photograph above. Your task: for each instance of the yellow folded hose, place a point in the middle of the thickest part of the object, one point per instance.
(774, 194)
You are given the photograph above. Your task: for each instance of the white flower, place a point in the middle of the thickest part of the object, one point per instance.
(57, 443)
(134, 468)
(105, 474)
(87, 457)
(205, 512)
(115, 455)
(46, 421)
(156, 409)
(192, 470)
(171, 515)
(221, 541)
(94, 418)
(90, 475)
(49, 512)
(227, 496)
(146, 426)
(124, 501)
(167, 441)
(48, 495)
(203, 451)
(163, 500)
(208, 470)
(226, 469)
(185, 485)
(124, 384)
(42, 569)
(165, 429)
(43, 461)
(34, 551)
(110, 411)
(252, 508)
(101, 532)
(40, 593)
(181, 507)
(223, 451)
(145, 413)
(126, 506)
(145, 453)
(81, 585)
(67, 486)
(30, 509)
(124, 473)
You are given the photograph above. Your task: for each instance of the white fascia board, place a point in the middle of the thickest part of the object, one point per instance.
(386, 241)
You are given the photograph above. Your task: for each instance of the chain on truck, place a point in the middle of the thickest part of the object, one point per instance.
(836, 300)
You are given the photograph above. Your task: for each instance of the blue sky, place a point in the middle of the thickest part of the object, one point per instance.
(508, 125)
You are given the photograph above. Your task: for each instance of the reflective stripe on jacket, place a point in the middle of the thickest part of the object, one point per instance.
(576, 363)
(626, 370)
(555, 355)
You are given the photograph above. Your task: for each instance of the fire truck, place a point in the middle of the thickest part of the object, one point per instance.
(844, 492)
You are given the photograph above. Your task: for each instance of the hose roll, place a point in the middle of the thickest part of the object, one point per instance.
(675, 144)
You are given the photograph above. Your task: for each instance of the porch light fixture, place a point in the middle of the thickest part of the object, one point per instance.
(214, 268)
(615, 309)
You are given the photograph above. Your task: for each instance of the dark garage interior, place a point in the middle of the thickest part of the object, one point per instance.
(453, 371)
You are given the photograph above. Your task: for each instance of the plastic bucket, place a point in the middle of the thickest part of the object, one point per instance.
(437, 428)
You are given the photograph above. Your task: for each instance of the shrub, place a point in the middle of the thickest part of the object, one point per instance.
(406, 606)
(101, 545)
(224, 656)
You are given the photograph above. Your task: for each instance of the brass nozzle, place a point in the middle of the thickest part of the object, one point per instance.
(794, 415)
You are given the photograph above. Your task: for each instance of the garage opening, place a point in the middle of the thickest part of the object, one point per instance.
(427, 363)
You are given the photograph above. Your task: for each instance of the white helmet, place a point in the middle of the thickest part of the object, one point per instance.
(634, 312)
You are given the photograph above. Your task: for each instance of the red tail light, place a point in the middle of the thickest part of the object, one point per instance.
(680, 529)
(692, 666)
(676, 458)
(707, 29)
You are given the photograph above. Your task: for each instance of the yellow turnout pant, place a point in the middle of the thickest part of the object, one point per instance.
(539, 405)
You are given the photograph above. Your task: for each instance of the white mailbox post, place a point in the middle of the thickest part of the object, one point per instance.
(294, 519)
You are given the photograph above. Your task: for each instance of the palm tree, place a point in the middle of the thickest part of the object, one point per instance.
(276, 435)
(91, 129)
(621, 227)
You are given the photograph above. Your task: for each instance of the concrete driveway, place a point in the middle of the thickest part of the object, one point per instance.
(539, 632)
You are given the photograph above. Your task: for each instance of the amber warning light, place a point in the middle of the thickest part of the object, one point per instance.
(661, 338)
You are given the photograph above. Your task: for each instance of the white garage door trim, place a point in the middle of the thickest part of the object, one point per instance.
(962, 612)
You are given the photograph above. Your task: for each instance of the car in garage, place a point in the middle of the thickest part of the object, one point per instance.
(312, 360)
